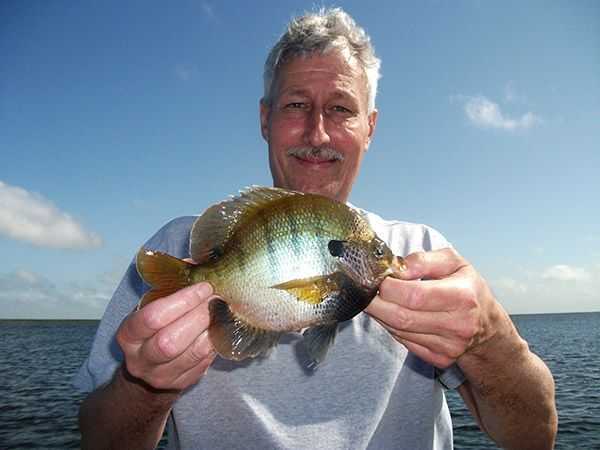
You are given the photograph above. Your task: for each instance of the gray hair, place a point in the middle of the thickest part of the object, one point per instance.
(321, 32)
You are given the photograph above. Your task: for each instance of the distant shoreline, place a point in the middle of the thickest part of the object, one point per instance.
(554, 313)
(32, 321)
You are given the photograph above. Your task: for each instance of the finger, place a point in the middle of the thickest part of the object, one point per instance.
(449, 294)
(198, 357)
(194, 375)
(438, 345)
(435, 359)
(430, 348)
(432, 265)
(175, 373)
(172, 340)
(144, 323)
(442, 323)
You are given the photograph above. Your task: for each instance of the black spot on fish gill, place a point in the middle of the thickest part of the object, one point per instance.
(336, 248)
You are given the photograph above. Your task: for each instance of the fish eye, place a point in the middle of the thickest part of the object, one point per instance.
(379, 251)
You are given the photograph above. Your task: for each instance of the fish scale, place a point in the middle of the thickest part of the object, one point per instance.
(275, 262)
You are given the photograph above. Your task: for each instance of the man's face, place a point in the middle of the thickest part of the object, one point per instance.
(319, 102)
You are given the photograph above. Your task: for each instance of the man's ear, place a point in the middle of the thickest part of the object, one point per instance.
(264, 119)
(372, 123)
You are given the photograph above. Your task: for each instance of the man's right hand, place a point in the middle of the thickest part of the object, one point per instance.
(166, 349)
(166, 343)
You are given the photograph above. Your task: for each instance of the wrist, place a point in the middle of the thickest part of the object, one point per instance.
(501, 345)
(143, 391)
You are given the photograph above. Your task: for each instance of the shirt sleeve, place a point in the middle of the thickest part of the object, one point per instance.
(450, 378)
(105, 355)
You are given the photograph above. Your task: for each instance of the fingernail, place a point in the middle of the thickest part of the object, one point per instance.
(204, 290)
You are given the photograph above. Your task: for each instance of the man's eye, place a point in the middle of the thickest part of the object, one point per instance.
(341, 109)
(295, 105)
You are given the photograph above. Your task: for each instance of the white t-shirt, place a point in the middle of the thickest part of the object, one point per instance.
(369, 393)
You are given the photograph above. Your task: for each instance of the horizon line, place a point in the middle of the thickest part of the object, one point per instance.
(37, 319)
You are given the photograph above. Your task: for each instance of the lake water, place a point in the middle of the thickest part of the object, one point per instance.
(38, 407)
(570, 346)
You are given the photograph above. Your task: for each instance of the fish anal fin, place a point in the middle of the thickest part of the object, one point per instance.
(164, 273)
(235, 339)
(317, 341)
(312, 290)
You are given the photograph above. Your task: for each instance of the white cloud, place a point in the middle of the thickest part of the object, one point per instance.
(562, 272)
(28, 295)
(484, 113)
(510, 284)
(29, 217)
(559, 288)
(26, 276)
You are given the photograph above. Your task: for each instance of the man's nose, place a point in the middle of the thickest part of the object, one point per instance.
(316, 130)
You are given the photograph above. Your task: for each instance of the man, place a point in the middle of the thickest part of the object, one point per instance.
(380, 384)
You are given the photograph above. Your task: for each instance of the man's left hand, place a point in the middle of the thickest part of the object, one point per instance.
(440, 309)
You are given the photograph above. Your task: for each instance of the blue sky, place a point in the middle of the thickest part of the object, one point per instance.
(117, 116)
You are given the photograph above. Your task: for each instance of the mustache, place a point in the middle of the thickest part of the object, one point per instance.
(325, 153)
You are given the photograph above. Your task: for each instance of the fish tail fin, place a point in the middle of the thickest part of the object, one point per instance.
(235, 339)
(165, 273)
(317, 341)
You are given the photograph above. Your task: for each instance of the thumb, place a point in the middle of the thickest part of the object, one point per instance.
(432, 265)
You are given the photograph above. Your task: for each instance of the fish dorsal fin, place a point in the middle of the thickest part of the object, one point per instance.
(213, 229)
(312, 290)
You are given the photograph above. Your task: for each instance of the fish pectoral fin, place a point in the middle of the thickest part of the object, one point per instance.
(235, 339)
(317, 341)
(312, 290)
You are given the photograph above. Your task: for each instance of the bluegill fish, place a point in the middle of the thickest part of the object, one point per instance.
(280, 261)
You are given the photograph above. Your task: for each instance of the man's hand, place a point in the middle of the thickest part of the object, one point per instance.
(451, 316)
(166, 349)
(440, 318)
(166, 343)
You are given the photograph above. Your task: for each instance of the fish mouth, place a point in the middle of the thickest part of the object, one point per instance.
(398, 266)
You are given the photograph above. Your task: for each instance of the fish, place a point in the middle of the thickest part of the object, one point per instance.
(279, 261)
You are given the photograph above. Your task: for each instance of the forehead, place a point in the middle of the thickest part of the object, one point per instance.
(318, 71)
